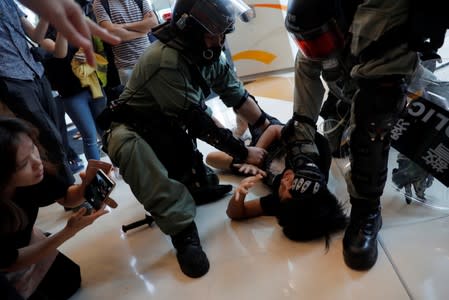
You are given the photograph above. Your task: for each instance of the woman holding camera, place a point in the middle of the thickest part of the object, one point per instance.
(29, 258)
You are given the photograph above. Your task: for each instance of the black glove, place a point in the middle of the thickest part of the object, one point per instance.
(308, 177)
(301, 157)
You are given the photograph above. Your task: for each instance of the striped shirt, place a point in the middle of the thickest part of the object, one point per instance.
(126, 53)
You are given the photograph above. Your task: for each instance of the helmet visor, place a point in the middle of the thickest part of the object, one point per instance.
(320, 43)
(218, 16)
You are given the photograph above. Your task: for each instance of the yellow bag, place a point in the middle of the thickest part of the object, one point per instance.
(87, 74)
(102, 69)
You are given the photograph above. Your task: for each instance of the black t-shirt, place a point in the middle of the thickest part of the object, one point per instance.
(270, 205)
(60, 75)
(29, 199)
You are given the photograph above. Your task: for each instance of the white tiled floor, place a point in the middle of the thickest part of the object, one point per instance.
(252, 259)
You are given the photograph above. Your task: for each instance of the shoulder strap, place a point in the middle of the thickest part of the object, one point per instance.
(140, 4)
(105, 4)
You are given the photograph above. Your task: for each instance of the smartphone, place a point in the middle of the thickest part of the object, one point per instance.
(98, 190)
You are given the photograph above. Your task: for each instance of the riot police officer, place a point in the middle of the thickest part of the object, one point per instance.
(153, 139)
(352, 43)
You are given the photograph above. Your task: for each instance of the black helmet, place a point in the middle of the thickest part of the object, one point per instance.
(313, 24)
(214, 16)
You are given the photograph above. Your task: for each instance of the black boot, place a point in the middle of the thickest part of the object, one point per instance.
(210, 193)
(360, 239)
(191, 257)
(204, 185)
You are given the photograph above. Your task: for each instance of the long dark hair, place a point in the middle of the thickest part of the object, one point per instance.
(12, 217)
(312, 217)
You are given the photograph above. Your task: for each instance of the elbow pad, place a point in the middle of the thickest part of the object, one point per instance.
(201, 125)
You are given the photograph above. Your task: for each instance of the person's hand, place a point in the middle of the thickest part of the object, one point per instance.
(249, 169)
(84, 182)
(68, 18)
(79, 220)
(255, 156)
(308, 178)
(244, 187)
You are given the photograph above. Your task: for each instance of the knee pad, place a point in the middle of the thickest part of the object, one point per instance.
(377, 104)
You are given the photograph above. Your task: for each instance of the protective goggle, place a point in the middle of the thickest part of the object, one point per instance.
(320, 43)
(218, 16)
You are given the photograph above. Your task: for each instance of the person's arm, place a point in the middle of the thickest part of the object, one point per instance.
(74, 196)
(145, 25)
(35, 252)
(219, 160)
(34, 33)
(120, 31)
(223, 161)
(68, 18)
(61, 46)
(58, 48)
(250, 112)
(238, 208)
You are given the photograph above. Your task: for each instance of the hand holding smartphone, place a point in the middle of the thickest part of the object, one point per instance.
(98, 190)
(99, 184)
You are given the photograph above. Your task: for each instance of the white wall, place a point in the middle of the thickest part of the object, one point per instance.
(263, 45)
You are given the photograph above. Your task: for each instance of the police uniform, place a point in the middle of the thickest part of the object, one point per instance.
(162, 83)
(378, 63)
(371, 20)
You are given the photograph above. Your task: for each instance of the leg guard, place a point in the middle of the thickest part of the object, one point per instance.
(376, 106)
(178, 153)
(335, 113)
(298, 136)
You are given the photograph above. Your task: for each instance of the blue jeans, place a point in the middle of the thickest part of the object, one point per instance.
(83, 110)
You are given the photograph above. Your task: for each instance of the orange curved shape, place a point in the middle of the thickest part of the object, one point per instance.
(275, 6)
(262, 56)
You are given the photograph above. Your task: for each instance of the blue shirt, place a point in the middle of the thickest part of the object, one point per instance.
(16, 60)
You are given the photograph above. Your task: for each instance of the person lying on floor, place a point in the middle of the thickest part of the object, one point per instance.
(304, 212)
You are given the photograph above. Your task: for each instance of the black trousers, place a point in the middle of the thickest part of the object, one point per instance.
(33, 101)
(62, 280)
